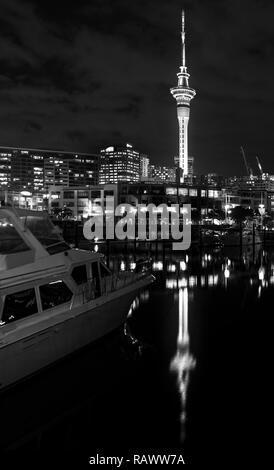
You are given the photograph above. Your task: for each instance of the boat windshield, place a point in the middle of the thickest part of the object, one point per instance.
(10, 240)
(47, 234)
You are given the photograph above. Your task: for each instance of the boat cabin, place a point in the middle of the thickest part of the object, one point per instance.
(40, 273)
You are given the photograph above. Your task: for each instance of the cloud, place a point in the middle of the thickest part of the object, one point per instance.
(87, 74)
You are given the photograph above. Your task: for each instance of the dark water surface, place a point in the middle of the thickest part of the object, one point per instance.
(190, 373)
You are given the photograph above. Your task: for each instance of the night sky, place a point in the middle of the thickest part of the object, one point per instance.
(88, 74)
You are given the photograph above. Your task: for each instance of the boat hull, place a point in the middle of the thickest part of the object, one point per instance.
(58, 337)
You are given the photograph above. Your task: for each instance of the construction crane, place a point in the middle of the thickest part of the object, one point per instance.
(248, 168)
(259, 166)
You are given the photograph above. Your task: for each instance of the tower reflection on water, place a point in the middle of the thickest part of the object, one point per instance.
(196, 282)
(183, 361)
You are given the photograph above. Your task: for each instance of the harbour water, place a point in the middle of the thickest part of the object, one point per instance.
(189, 373)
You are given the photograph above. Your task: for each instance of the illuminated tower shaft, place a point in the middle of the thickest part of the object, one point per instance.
(183, 95)
(183, 336)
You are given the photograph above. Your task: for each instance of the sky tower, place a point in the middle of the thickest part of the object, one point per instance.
(183, 95)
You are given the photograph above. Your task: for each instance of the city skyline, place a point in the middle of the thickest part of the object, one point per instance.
(87, 76)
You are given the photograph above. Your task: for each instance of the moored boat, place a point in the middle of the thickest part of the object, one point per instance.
(53, 299)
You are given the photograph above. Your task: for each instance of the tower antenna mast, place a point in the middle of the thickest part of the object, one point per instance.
(183, 40)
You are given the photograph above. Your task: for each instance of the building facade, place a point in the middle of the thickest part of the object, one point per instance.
(71, 170)
(81, 202)
(190, 176)
(5, 169)
(35, 169)
(144, 166)
(23, 199)
(119, 163)
(252, 192)
(202, 200)
(86, 202)
(162, 173)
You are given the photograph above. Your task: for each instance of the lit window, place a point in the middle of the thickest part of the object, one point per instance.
(183, 191)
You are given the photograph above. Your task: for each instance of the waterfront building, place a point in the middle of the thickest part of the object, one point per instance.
(85, 202)
(81, 202)
(183, 95)
(202, 200)
(256, 182)
(23, 199)
(252, 192)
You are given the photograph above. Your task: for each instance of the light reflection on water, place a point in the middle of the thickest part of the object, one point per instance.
(207, 270)
(184, 275)
(183, 361)
(166, 359)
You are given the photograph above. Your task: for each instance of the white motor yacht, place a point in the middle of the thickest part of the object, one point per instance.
(54, 299)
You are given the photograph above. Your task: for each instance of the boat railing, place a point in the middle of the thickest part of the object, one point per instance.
(121, 279)
(113, 282)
